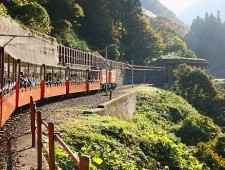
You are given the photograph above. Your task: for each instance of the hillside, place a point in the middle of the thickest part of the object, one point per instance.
(164, 14)
(200, 7)
(164, 133)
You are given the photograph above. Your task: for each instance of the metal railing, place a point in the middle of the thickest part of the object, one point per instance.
(81, 162)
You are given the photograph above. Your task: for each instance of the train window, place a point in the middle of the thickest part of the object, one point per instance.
(74, 78)
(9, 76)
(24, 76)
(55, 76)
(34, 75)
(93, 76)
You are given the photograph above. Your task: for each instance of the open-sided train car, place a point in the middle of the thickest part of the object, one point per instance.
(34, 64)
(20, 80)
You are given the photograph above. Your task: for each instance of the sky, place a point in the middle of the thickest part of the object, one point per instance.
(177, 6)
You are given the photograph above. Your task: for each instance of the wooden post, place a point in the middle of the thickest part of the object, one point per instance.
(51, 142)
(2, 57)
(18, 70)
(42, 81)
(39, 141)
(84, 163)
(67, 80)
(32, 117)
(87, 86)
(106, 60)
(110, 95)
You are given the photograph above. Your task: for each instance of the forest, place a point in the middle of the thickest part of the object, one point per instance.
(121, 26)
(180, 127)
(207, 39)
(92, 25)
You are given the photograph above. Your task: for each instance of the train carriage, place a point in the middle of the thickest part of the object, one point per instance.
(34, 64)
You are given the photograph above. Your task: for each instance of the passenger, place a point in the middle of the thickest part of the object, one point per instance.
(56, 79)
(31, 80)
(22, 81)
(26, 81)
(48, 79)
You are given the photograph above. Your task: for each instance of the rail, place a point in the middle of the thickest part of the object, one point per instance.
(81, 162)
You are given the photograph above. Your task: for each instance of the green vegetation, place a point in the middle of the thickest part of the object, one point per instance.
(201, 91)
(206, 38)
(92, 25)
(166, 132)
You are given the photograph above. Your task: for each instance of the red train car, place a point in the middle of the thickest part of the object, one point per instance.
(42, 68)
(20, 80)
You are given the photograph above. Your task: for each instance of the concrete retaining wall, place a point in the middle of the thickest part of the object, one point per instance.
(122, 107)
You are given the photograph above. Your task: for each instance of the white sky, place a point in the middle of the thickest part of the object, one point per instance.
(177, 5)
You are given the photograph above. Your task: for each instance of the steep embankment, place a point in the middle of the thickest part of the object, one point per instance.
(157, 137)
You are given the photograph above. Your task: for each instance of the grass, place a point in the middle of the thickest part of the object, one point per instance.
(156, 137)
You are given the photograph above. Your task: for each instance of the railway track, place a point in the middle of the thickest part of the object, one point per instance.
(19, 123)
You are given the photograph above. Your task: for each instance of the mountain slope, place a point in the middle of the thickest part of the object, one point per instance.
(155, 7)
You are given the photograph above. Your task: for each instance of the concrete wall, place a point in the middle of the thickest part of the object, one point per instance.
(122, 107)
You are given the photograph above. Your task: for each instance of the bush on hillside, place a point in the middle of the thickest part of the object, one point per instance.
(197, 129)
(195, 86)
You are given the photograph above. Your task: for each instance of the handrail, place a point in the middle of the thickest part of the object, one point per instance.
(82, 163)
(67, 149)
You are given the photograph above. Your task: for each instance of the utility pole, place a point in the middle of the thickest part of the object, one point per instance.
(106, 60)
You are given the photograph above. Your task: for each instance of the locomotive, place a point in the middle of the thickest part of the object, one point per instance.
(34, 64)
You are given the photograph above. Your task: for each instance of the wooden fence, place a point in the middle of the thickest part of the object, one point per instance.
(36, 128)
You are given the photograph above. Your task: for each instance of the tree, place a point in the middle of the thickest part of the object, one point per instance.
(97, 24)
(64, 33)
(30, 14)
(141, 42)
(34, 16)
(113, 52)
(195, 86)
(64, 15)
(174, 44)
(207, 39)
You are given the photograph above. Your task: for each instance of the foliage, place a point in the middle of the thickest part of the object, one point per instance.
(65, 23)
(113, 52)
(65, 35)
(207, 39)
(212, 153)
(148, 141)
(174, 44)
(121, 23)
(34, 16)
(195, 86)
(30, 14)
(142, 41)
(3, 9)
(195, 129)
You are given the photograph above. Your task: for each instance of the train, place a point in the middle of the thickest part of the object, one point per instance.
(22, 79)
(35, 64)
